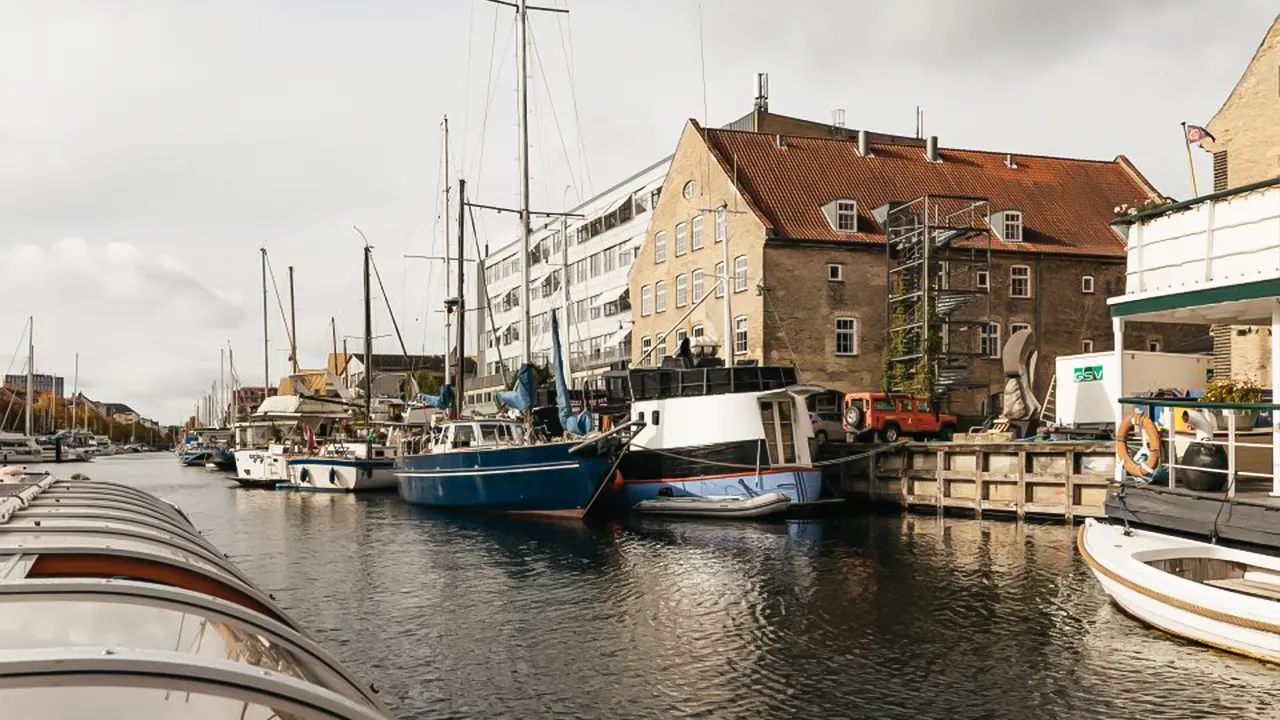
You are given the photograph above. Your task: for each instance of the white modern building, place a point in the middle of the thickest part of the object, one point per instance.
(578, 265)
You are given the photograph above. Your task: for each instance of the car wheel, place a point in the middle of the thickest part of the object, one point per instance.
(947, 432)
(853, 417)
(890, 433)
(821, 437)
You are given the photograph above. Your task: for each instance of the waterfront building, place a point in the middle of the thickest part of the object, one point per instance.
(121, 413)
(41, 384)
(796, 227)
(579, 265)
(1245, 142)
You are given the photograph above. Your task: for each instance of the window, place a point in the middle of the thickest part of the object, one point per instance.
(1153, 344)
(682, 238)
(653, 198)
(697, 332)
(982, 280)
(740, 335)
(594, 264)
(646, 300)
(660, 296)
(846, 216)
(608, 257)
(1011, 229)
(991, 340)
(646, 344)
(660, 351)
(740, 273)
(1020, 281)
(1086, 284)
(720, 279)
(1086, 346)
(835, 272)
(697, 285)
(846, 336)
(680, 336)
(722, 224)
(624, 256)
(659, 247)
(682, 290)
(696, 222)
(689, 189)
(1015, 327)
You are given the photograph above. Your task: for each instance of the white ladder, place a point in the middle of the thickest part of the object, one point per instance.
(1048, 409)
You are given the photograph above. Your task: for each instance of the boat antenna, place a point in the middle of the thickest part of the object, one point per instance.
(461, 374)
(368, 351)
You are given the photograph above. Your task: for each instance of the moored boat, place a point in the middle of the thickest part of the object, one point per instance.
(724, 506)
(1223, 597)
(119, 607)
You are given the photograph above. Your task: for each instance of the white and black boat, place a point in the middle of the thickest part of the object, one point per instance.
(713, 431)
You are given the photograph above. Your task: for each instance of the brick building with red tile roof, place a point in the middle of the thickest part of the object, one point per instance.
(797, 220)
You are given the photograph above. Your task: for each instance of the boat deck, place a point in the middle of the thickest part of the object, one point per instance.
(1252, 516)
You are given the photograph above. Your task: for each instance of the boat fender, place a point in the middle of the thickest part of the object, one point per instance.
(333, 476)
(1148, 459)
(305, 477)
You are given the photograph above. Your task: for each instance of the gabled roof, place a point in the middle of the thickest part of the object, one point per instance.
(1274, 30)
(118, 408)
(1067, 204)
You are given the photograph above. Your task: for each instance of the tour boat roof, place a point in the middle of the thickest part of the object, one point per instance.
(295, 406)
(113, 605)
(667, 382)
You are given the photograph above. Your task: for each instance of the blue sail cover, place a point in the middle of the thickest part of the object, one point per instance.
(443, 401)
(521, 396)
(572, 423)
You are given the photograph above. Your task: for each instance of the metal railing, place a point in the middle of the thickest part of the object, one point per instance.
(1232, 414)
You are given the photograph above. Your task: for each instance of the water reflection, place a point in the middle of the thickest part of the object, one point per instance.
(865, 616)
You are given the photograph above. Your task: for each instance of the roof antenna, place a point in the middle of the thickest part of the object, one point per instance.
(762, 92)
(919, 123)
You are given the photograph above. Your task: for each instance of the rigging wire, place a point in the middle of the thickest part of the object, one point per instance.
(554, 116)
(26, 327)
(387, 301)
(271, 271)
(566, 46)
(488, 304)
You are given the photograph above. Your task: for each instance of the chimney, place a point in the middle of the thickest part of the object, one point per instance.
(931, 149)
(837, 117)
(780, 141)
(1009, 162)
(762, 92)
(864, 143)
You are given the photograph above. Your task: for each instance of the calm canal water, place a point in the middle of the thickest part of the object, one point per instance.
(865, 616)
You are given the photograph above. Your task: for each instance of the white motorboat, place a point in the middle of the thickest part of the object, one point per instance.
(15, 448)
(339, 466)
(1218, 596)
(720, 506)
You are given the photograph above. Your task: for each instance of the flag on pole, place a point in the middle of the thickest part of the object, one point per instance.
(1195, 134)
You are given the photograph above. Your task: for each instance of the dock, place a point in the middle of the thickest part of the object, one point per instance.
(1065, 480)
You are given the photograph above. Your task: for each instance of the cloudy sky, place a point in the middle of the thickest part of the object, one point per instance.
(149, 148)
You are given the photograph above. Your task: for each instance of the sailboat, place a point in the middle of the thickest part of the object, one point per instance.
(349, 465)
(22, 448)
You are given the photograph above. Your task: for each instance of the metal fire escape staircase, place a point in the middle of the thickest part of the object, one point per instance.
(936, 246)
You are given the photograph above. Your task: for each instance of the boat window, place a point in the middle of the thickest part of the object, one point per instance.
(492, 434)
(463, 435)
(882, 404)
(82, 698)
(657, 417)
(640, 416)
(154, 626)
(786, 435)
(770, 434)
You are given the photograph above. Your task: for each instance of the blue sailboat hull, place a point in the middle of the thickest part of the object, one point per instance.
(536, 479)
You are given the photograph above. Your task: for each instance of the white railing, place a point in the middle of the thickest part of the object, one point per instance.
(1221, 241)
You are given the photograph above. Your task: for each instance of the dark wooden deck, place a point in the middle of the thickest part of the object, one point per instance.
(1252, 517)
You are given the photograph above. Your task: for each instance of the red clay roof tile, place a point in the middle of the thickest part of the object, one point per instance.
(1067, 204)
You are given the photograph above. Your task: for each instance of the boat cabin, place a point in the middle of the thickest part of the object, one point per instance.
(472, 433)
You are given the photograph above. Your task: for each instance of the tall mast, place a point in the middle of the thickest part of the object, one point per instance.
(222, 384)
(266, 343)
(31, 374)
(444, 183)
(462, 301)
(235, 400)
(333, 330)
(564, 294)
(368, 349)
(522, 97)
(293, 326)
(75, 390)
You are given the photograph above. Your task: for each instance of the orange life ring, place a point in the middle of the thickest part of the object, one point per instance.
(1152, 437)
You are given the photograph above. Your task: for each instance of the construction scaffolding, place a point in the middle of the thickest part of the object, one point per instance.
(938, 259)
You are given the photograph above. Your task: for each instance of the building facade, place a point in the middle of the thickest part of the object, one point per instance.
(1246, 150)
(581, 264)
(777, 243)
(40, 384)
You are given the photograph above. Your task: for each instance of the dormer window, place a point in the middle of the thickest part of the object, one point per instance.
(842, 215)
(1011, 226)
